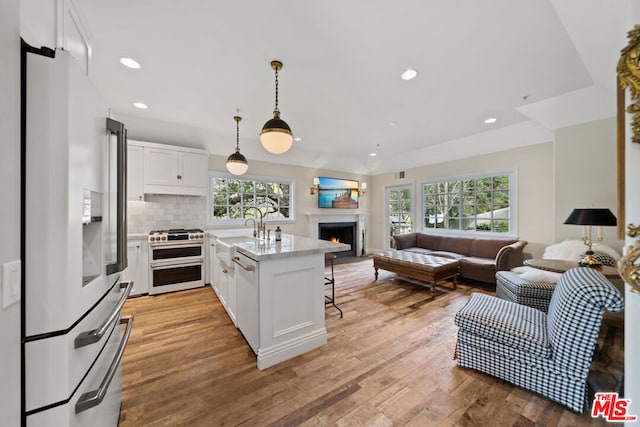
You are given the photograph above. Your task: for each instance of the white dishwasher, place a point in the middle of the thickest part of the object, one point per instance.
(247, 292)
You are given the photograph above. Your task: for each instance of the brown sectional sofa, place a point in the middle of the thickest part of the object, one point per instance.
(478, 258)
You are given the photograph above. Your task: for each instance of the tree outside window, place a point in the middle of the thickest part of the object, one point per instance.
(238, 199)
(476, 204)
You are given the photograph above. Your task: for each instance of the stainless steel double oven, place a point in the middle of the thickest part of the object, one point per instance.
(176, 260)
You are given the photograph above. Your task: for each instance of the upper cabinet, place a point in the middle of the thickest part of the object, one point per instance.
(161, 167)
(169, 169)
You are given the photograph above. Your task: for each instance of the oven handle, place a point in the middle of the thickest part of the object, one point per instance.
(244, 266)
(94, 397)
(176, 243)
(176, 263)
(90, 337)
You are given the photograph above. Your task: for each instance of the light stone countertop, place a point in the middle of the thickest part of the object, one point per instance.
(230, 232)
(290, 246)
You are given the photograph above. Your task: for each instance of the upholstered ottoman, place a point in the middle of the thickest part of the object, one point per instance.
(426, 268)
(518, 288)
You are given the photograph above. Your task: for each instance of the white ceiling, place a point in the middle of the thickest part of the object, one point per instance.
(340, 86)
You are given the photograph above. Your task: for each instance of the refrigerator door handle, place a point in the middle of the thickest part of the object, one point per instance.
(90, 337)
(94, 397)
(120, 131)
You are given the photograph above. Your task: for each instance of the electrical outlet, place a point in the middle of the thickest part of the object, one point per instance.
(11, 290)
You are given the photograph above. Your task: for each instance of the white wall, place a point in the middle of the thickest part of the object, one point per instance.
(534, 166)
(10, 206)
(585, 175)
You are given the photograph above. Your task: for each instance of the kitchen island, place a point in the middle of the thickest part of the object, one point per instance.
(280, 295)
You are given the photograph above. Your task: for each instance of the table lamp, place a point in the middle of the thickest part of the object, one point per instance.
(587, 217)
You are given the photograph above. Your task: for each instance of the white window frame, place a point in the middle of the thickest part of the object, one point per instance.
(240, 221)
(513, 205)
(387, 227)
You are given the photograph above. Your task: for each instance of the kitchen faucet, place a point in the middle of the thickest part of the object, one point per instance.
(261, 227)
(254, 226)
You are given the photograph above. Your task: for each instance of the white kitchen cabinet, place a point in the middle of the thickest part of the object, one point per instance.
(213, 263)
(248, 300)
(175, 171)
(135, 168)
(223, 280)
(226, 289)
(232, 299)
(161, 167)
(138, 269)
(194, 170)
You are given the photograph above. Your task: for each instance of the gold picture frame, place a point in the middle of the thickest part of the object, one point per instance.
(628, 76)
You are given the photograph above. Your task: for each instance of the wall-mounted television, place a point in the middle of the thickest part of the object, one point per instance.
(338, 193)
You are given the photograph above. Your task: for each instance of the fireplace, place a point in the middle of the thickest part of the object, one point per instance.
(343, 232)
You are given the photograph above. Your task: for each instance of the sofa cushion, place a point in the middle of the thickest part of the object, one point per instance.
(478, 263)
(405, 240)
(488, 248)
(419, 250)
(458, 245)
(428, 241)
(445, 254)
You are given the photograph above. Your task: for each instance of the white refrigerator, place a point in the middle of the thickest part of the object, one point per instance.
(74, 246)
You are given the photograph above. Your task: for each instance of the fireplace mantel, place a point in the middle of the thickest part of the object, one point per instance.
(317, 218)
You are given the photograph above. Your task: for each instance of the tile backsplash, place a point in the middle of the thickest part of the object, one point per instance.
(162, 211)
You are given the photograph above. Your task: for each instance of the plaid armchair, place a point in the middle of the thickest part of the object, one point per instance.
(549, 353)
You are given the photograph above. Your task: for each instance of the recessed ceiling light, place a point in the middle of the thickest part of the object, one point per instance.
(490, 120)
(372, 154)
(394, 123)
(298, 139)
(140, 105)
(409, 74)
(131, 63)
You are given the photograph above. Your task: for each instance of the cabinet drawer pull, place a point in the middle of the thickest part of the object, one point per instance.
(94, 397)
(244, 266)
(90, 337)
(179, 176)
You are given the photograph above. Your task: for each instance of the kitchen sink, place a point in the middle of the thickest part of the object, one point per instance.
(225, 249)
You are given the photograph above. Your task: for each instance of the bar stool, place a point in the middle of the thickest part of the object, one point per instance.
(328, 257)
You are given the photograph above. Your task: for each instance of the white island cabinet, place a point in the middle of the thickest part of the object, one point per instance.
(280, 295)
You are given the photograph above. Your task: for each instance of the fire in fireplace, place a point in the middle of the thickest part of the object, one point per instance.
(341, 232)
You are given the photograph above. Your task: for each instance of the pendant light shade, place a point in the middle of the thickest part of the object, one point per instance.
(237, 163)
(276, 136)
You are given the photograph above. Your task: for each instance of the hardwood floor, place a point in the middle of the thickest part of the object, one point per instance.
(388, 362)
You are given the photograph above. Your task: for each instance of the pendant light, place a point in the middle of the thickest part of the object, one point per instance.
(276, 136)
(237, 163)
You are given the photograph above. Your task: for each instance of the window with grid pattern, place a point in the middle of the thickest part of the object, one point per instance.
(233, 199)
(475, 204)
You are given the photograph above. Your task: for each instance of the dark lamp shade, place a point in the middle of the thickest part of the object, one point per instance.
(276, 136)
(594, 216)
(237, 163)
